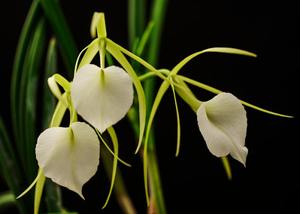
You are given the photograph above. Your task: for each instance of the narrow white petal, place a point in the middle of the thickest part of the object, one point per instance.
(102, 102)
(69, 156)
(223, 124)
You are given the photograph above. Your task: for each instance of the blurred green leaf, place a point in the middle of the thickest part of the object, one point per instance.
(50, 69)
(62, 32)
(136, 20)
(24, 39)
(28, 98)
(9, 167)
(7, 199)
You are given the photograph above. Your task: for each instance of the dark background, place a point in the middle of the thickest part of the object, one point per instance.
(195, 182)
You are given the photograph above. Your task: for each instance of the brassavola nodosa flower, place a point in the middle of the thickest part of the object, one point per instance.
(223, 124)
(69, 156)
(102, 96)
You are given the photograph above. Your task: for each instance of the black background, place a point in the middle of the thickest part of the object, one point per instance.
(195, 182)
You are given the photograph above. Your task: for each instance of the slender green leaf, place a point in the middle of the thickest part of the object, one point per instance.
(139, 48)
(9, 167)
(62, 32)
(144, 39)
(158, 13)
(53, 196)
(7, 199)
(25, 37)
(50, 69)
(136, 20)
(28, 98)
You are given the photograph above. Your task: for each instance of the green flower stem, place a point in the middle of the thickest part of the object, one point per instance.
(187, 95)
(156, 193)
(157, 17)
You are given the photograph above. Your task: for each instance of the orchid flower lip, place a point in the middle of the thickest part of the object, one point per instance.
(69, 156)
(223, 124)
(102, 97)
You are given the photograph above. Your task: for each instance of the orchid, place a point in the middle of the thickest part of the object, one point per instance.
(223, 124)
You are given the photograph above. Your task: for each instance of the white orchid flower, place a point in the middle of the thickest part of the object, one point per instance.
(223, 123)
(69, 156)
(102, 97)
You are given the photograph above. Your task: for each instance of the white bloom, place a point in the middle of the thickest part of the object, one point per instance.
(102, 98)
(223, 123)
(69, 156)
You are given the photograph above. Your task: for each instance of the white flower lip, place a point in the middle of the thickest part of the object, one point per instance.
(69, 156)
(223, 124)
(102, 102)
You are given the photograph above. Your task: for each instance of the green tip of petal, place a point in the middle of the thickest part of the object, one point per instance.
(31, 185)
(98, 25)
(265, 110)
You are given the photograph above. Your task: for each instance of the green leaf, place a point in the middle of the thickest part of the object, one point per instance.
(28, 98)
(25, 37)
(50, 69)
(136, 20)
(144, 39)
(158, 13)
(53, 197)
(140, 45)
(62, 32)
(9, 167)
(116, 53)
(7, 199)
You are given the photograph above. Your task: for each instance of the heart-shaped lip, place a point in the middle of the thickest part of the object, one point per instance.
(69, 156)
(102, 97)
